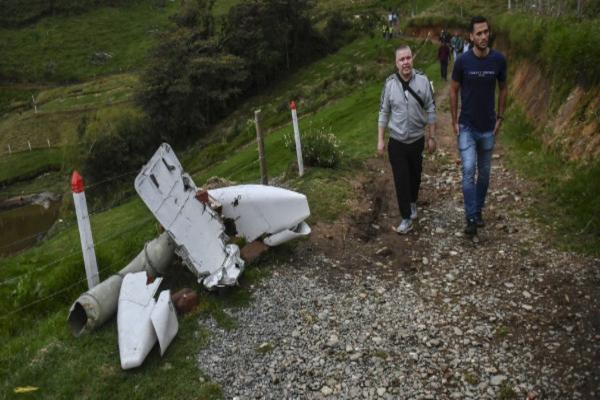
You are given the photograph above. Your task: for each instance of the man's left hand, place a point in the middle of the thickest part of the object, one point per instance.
(431, 145)
(497, 127)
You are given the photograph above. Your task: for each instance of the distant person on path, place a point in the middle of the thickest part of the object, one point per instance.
(443, 57)
(457, 45)
(406, 108)
(475, 74)
(466, 45)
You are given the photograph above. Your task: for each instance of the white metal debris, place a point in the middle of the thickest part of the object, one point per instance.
(195, 219)
(259, 210)
(164, 320)
(97, 305)
(195, 227)
(141, 321)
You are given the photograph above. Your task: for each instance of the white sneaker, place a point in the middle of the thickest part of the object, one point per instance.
(413, 210)
(405, 226)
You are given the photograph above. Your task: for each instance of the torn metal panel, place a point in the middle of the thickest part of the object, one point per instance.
(195, 227)
(229, 274)
(164, 320)
(259, 210)
(136, 332)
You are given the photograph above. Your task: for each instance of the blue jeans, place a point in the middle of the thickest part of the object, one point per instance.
(476, 153)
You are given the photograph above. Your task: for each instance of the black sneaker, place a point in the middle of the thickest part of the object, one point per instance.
(471, 228)
(479, 220)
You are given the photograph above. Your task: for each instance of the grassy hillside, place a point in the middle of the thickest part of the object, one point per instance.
(60, 111)
(74, 48)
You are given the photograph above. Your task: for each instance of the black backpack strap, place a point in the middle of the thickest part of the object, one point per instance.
(411, 91)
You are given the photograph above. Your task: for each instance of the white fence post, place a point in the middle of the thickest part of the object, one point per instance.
(85, 230)
(48, 141)
(297, 139)
(9, 149)
(29, 144)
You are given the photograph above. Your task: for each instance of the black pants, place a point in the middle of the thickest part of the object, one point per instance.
(444, 69)
(407, 165)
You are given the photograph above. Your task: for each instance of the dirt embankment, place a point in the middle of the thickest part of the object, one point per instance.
(573, 127)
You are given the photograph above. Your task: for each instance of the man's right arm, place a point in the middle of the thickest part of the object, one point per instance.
(454, 86)
(380, 140)
(384, 114)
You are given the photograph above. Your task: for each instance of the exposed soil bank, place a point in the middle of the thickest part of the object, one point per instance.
(574, 127)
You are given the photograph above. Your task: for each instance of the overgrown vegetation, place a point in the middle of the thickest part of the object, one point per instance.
(566, 190)
(197, 75)
(320, 147)
(117, 144)
(563, 46)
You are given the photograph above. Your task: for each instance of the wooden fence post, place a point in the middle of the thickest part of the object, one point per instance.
(261, 150)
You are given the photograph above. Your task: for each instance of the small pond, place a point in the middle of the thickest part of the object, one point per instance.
(24, 226)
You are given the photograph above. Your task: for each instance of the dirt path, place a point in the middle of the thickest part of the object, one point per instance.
(359, 312)
(539, 301)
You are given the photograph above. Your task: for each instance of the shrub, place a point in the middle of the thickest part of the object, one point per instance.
(337, 31)
(117, 145)
(320, 148)
(562, 46)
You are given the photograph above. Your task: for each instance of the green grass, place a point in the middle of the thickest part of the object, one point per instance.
(62, 366)
(29, 164)
(566, 190)
(507, 392)
(61, 48)
(221, 7)
(60, 111)
(12, 97)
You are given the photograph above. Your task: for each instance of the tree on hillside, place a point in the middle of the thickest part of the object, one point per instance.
(190, 81)
(271, 35)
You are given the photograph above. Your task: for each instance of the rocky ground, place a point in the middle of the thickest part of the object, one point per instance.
(361, 312)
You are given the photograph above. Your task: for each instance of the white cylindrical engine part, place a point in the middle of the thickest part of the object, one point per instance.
(97, 305)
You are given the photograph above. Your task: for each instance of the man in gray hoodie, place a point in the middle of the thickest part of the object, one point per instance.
(406, 108)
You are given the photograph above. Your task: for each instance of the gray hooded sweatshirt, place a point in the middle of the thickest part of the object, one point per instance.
(402, 113)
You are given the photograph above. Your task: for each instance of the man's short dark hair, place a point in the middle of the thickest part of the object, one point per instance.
(478, 20)
(403, 47)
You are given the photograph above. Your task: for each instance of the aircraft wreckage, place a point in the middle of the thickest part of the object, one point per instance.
(198, 227)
